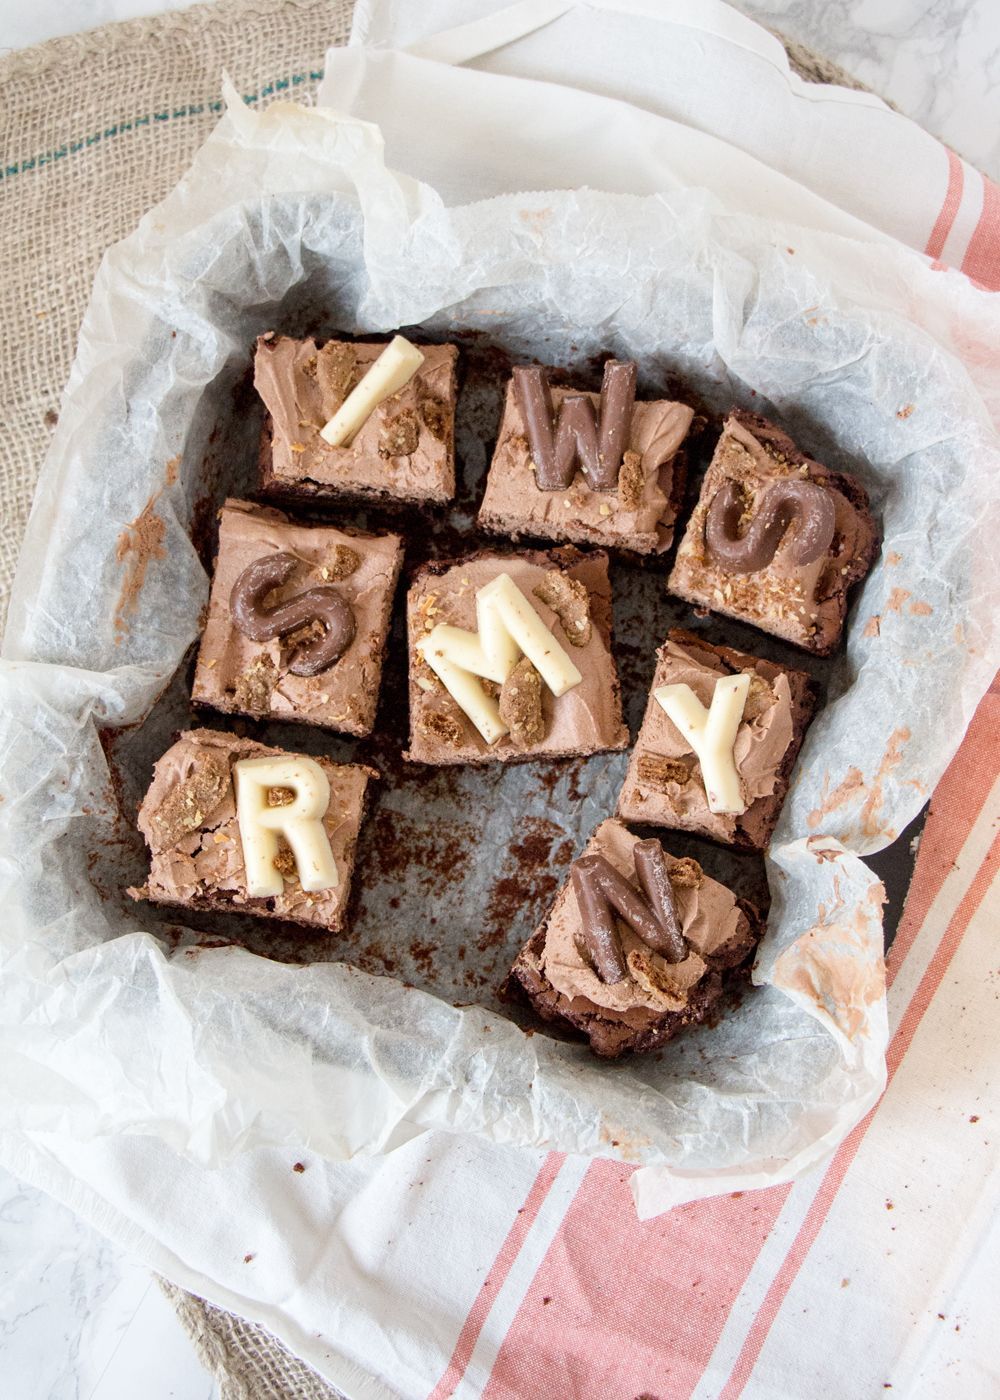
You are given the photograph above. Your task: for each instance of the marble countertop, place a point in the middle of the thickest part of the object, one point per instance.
(78, 1319)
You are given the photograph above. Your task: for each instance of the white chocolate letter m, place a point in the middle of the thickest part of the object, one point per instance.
(712, 734)
(299, 821)
(509, 628)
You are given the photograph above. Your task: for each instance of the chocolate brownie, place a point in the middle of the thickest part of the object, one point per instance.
(192, 828)
(636, 507)
(664, 784)
(297, 620)
(568, 595)
(404, 452)
(629, 984)
(776, 539)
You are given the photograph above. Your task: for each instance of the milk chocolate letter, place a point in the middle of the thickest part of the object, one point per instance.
(602, 892)
(802, 501)
(323, 605)
(557, 445)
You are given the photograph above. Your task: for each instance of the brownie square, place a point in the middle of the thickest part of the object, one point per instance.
(663, 785)
(237, 675)
(584, 720)
(188, 818)
(656, 998)
(757, 468)
(404, 452)
(639, 516)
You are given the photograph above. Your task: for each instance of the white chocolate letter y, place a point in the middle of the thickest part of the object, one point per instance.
(299, 821)
(712, 734)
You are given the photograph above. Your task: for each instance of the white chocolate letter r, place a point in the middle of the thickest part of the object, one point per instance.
(299, 821)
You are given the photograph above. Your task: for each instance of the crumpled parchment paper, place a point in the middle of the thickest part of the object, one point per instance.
(289, 218)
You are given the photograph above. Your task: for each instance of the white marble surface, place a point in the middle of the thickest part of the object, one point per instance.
(937, 60)
(78, 1319)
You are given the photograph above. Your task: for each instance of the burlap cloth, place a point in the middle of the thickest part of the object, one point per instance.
(96, 128)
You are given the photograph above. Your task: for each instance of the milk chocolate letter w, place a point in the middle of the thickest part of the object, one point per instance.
(577, 436)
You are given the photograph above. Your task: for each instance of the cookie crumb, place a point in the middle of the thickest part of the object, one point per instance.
(655, 771)
(334, 370)
(760, 697)
(252, 691)
(438, 724)
(192, 801)
(340, 563)
(686, 873)
(570, 601)
(400, 435)
(521, 704)
(435, 415)
(631, 481)
(284, 861)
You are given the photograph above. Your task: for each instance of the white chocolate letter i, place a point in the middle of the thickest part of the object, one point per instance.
(509, 628)
(394, 368)
(299, 821)
(712, 734)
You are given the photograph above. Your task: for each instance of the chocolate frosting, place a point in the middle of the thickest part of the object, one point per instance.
(345, 695)
(208, 861)
(709, 919)
(300, 404)
(586, 719)
(515, 503)
(804, 602)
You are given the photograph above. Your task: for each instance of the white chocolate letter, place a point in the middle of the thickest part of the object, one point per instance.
(300, 822)
(712, 734)
(509, 628)
(396, 366)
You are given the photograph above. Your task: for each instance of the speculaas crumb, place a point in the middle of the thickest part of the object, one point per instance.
(192, 801)
(492, 688)
(335, 368)
(655, 771)
(284, 860)
(400, 435)
(438, 724)
(631, 481)
(280, 797)
(570, 601)
(650, 976)
(686, 873)
(252, 691)
(308, 632)
(435, 415)
(760, 697)
(340, 563)
(739, 464)
(521, 704)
